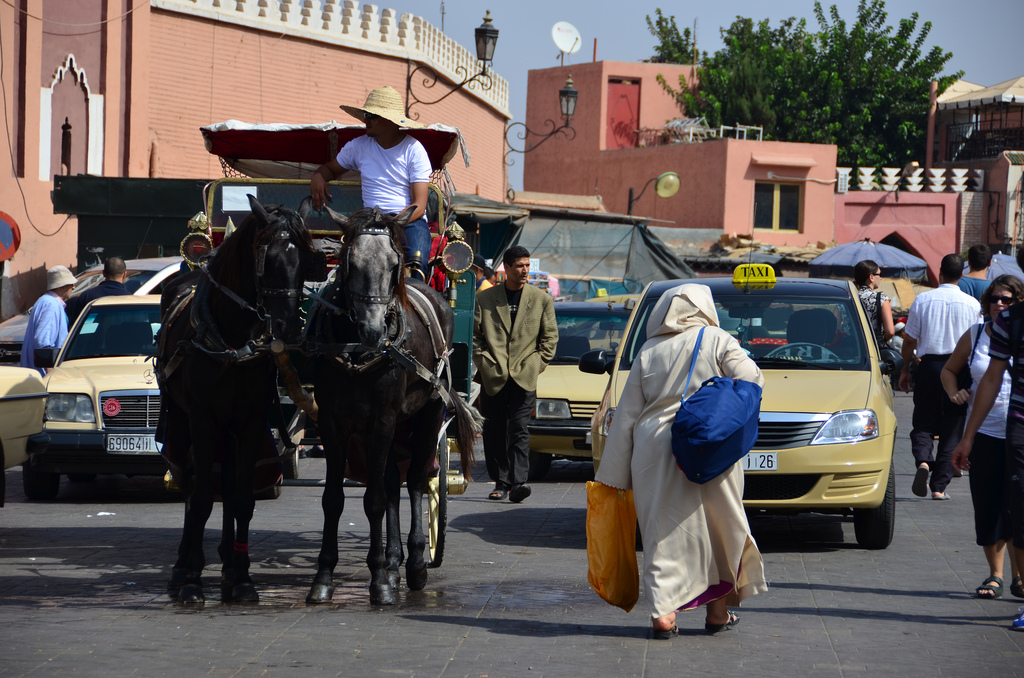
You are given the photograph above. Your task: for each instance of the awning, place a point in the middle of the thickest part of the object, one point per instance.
(1011, 91)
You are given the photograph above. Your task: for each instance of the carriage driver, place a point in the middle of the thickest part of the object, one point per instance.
(395, 170)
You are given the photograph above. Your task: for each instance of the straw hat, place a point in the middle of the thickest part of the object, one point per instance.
(57, 277)
(387, 103)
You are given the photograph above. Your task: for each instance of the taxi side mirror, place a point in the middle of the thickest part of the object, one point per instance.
(45, 357)
(891, 360)
(598, 361)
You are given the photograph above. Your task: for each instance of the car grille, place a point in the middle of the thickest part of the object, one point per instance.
(772, 486)
(777, 435)
(137, 411)
(582, 410)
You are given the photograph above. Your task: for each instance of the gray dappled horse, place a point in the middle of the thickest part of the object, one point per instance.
(373, 332)
(218, 381)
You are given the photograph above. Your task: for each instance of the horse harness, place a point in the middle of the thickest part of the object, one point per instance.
(354, 358)
(207, 338)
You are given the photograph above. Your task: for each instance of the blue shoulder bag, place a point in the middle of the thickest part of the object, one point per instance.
(716, 426)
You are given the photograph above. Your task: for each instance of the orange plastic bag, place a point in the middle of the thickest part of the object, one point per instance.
(611, 545)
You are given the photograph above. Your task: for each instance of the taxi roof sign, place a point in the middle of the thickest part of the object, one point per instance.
(754, 276)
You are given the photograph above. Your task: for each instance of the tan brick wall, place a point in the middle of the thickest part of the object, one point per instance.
(203, 72)
(972, 220)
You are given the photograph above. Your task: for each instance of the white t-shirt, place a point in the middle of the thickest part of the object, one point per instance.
(939, 317)
(387, 173)
(995, 423)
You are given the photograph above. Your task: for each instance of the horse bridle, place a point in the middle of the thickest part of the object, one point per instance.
(377, 300)
(261, 291)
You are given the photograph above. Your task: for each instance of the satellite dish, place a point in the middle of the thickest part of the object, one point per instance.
(567, 38)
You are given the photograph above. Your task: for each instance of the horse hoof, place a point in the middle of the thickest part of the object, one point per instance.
(191, 594)
(177, 579)
(320, 593)
(393, 580)
(416, 579)
(382, 595)
(245, 593)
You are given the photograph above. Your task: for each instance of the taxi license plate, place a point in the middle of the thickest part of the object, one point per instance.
(125, 444)
(761, 461)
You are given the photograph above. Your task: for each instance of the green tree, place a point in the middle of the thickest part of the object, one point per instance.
(862, 86)
(674, 47)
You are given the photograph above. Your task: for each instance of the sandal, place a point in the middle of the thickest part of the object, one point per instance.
(1017, 587)
(712, 629)
(497, 494)
(990, 589)
(666, 634)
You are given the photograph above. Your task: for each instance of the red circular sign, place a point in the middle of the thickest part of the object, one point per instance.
(10, 237)
(112, 407)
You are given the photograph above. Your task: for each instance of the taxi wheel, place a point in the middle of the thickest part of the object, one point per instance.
(40, 485)
(540, 464)
(874, 527)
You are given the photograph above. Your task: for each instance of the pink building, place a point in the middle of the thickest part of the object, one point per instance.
(780, 193)
(136, 79)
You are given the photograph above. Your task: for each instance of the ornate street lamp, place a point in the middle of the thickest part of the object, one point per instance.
(567, 103)
(665, 186)
(486, 40)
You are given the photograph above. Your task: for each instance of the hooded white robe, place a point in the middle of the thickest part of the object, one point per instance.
(697, 543)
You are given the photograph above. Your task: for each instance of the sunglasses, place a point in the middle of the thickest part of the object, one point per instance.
(1007, 301)
(367, 117)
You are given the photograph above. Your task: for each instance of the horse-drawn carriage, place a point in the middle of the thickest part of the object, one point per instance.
(387, 360)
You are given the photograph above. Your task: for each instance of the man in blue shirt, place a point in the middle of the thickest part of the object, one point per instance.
(47, 321)
(114, 274)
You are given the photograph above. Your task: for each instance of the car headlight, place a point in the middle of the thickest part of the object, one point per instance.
(848, 427)
(548, 408)
(606, 423)
(70, 407)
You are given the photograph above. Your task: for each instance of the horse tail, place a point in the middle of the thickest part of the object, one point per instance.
(468, 422)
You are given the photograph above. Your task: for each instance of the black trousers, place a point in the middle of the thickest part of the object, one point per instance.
(506, 436)
(1015, 477)
(935, 415)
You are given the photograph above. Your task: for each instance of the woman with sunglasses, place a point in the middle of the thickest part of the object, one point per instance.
(877, 305)
(988, 457)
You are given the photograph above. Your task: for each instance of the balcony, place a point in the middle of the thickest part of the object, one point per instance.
(983, 139)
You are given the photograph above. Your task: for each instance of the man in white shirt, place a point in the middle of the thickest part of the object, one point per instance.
(395, 170)
(937, 320)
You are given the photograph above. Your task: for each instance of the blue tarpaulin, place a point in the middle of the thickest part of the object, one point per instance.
(839, 261)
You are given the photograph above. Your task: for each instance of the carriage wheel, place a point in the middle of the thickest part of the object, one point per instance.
(437, 507)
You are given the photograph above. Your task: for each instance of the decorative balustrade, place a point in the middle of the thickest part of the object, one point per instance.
(350, 24)
(911, 178)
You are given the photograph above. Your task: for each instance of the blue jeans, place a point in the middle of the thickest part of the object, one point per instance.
(417, 240)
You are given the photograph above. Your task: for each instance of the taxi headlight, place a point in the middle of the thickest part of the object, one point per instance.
(848, 427)
(606, 423)
(548, 408)
(70, 407)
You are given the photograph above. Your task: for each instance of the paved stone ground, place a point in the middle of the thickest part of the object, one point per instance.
(82, 591)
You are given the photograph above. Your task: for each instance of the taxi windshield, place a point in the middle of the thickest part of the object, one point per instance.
(781, 332)
(109, 331)
(582, 331)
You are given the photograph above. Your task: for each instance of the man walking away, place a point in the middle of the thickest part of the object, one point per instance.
(937, 320)
(514, 338)
(114, 274)
(975, 281)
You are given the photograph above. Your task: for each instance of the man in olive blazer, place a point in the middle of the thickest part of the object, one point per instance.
(514, 339)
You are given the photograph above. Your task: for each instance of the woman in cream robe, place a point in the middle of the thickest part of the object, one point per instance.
(697, 544)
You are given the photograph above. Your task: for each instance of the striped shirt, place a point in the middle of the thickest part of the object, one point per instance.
(1002, 346)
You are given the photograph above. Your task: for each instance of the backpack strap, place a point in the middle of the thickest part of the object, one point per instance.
(980, 327)
(693, 360)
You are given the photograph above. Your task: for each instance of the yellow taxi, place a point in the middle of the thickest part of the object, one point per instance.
(22, 399)
(827, 426)
(102, 398)
(566, 397)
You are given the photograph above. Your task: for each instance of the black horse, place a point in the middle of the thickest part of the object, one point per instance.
(218, 382)
(382, 378)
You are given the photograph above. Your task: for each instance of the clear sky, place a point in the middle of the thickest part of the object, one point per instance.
(984, 35)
